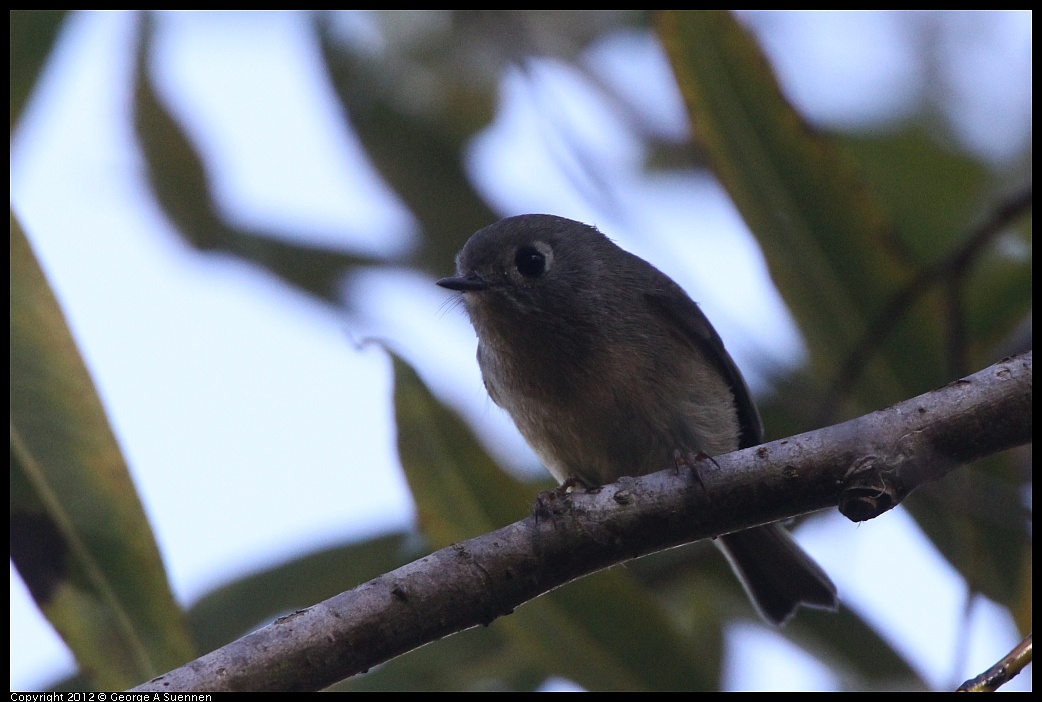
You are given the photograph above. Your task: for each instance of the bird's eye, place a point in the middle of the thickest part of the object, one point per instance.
(530, 262)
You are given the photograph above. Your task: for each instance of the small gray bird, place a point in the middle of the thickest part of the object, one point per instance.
(608, 368)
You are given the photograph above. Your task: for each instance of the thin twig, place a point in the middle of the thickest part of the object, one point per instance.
(1002, 672)
(953, 266)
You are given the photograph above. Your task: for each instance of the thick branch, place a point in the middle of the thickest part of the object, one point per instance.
(866, 466)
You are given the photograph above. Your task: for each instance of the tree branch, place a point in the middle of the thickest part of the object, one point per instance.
(948, 271)
(1002, 672)
(865, 466)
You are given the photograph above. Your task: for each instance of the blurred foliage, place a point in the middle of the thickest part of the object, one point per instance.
(904, 259)
(79, 536)
(841, 244)
(32, 38)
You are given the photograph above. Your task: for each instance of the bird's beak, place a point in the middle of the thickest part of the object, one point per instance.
(464, 283)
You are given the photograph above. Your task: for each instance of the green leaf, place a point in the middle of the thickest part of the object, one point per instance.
(460, 491)
(481, 658)
(695, 581)
(998, 296)
(33, 33)
(79, 536)
(977, 519)
(238, 607)
(826, 242)
(841, 249)
(418, 150)
(181, 185)
(604, 631)
(934, 198)
(928, 191)
(233, 610)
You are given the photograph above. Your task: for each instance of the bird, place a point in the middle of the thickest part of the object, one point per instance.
(609, 369)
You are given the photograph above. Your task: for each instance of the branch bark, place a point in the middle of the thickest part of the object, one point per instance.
(865, 466)
(1002, 672)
